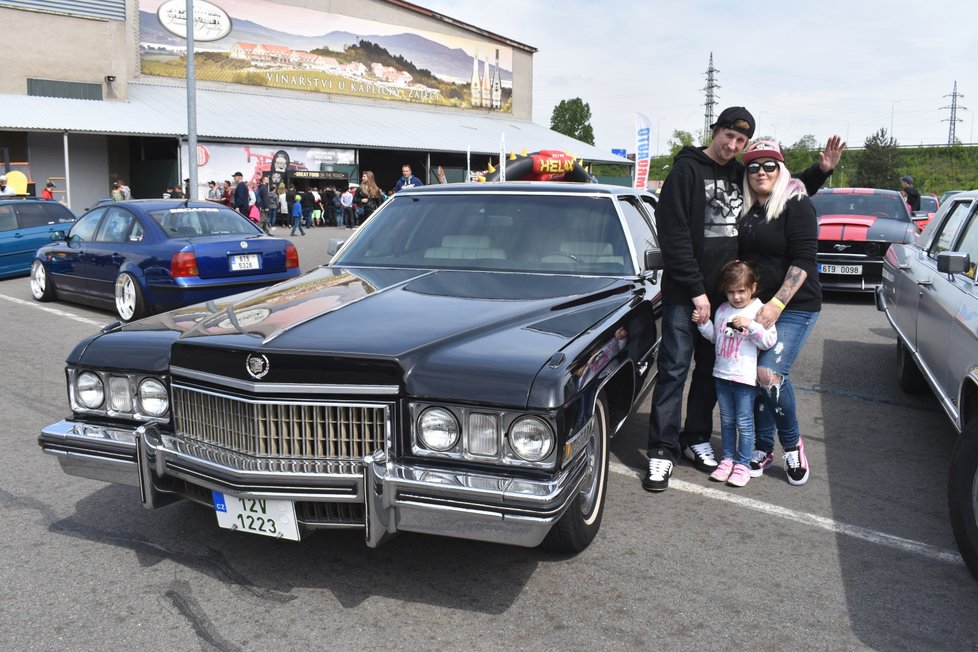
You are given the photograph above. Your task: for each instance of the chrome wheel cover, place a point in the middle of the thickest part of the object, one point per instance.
(125, 296)
(591, 489)
(39, 279)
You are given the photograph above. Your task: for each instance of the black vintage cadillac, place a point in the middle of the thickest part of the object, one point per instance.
(457, 369)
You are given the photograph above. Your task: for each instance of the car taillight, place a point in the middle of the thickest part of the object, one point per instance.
(291, 256)
(184, 263)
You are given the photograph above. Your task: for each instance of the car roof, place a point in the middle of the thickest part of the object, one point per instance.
(857, 191)
(528, 187)
(158, 204)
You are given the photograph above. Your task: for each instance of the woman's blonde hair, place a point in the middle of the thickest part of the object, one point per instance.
(785, 187)
(370, 186)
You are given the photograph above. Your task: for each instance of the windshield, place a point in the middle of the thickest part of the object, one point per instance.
(890, 207)
(528, 232)
(197, 221)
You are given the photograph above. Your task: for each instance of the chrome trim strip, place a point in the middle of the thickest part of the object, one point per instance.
(285, 388)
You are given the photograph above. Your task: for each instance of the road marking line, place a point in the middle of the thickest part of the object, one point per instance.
(855, 531)
(54, 311)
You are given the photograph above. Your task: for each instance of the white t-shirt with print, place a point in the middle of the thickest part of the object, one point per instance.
(736, 351)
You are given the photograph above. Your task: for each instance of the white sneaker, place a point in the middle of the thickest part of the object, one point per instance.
(701, 455)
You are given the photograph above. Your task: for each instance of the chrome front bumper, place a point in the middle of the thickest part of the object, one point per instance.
(396, 497)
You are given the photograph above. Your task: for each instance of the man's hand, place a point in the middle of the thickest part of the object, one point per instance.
(767, 315)
(829, 157)
(701, 304)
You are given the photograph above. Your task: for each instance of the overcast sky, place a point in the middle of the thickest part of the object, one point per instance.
(848, 67)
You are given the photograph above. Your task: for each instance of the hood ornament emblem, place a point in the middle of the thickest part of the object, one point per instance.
(243, 244)
(257, 365)
(841, 247)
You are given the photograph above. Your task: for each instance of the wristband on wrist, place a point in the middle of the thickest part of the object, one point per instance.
(776, 301)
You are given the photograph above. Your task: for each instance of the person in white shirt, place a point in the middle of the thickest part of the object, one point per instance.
(737, 338)
(4, 188)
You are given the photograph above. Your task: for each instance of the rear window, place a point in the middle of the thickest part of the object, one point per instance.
(31, 214)
(890, 207)
(512, 232)
(928, 203)
(201, 221)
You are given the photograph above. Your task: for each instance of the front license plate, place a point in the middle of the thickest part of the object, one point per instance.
(241, 262)
(271, 518)
(844, 270)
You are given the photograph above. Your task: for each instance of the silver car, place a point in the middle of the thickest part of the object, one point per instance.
(930, 296)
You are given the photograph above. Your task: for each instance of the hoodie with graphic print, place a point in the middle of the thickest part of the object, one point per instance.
(696, 220)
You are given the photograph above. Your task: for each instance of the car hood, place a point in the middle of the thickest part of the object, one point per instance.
(431, 333)
(863, 227)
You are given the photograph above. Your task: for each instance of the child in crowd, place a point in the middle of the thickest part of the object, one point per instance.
(737, 338)
(297, 215)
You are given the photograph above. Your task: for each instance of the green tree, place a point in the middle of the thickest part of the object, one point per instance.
(879, 165)
(802, 154)
(573, 118)
(679, 140)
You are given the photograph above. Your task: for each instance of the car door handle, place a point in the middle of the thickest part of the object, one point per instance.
(924, 282)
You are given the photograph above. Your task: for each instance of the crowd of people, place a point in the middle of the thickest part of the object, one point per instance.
(305, 208)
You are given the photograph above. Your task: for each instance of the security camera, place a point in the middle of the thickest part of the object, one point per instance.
(110, 78)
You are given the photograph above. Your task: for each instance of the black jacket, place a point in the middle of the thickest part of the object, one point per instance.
(694, 245)
(791, 240)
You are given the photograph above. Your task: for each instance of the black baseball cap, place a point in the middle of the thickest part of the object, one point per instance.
(731, 115)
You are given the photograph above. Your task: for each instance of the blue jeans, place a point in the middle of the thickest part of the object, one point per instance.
(736, 401)
(307, 217)
(297, 224)
(681, 344)
(775, 407)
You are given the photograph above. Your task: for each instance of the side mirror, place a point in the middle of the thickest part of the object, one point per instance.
(653, 263)
(953, 262)
(57, 236)
(334, 245)
(654, 259)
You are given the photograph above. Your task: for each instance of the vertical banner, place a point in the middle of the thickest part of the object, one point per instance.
(643, 136)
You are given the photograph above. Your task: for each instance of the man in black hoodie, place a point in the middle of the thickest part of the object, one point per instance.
(696, 219)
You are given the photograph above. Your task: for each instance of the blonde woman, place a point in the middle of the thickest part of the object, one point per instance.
(778, 233)
(369, 196)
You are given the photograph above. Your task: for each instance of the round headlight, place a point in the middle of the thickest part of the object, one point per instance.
(531, 438)
(89, 390)
(153, 398)
(438, 429)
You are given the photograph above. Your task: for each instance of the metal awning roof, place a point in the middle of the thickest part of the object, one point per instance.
(159, 109)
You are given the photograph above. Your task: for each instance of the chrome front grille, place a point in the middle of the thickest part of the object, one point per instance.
(280, 428)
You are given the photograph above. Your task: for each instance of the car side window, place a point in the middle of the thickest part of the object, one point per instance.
(639, 228)
(57, 213)
(115, 227)
(969, 245)
(84, 228)
(31, 214)
(8, 220)
(945, 238)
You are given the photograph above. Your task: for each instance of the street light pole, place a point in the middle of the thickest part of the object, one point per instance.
(191, 105)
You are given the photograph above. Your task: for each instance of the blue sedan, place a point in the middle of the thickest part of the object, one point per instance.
(139, 257)
(25, 225)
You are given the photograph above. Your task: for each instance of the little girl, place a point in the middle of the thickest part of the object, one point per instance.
(737, 338)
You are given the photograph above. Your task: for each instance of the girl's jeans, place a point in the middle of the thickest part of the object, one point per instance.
(775, 408)
(736, 401)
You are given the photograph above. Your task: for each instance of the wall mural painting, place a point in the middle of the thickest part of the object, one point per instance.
(264, 43)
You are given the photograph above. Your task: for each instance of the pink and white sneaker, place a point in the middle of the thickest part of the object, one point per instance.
(740, 476)
(723, 471)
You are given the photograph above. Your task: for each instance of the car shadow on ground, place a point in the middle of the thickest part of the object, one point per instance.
(889, 476)
(472, 576)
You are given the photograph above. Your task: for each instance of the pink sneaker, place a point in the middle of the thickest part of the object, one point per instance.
(722, 471)
(740, 475)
